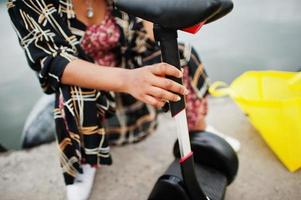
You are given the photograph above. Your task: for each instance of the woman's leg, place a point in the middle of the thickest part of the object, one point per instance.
(196, 81)
(196, 107)
(81, 138)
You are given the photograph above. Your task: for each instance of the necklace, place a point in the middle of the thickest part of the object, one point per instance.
(90, 11)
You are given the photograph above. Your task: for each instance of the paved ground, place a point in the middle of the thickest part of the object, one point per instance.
(35, 174)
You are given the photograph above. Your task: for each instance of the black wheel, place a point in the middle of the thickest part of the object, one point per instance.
(169, 187)
(213, 151)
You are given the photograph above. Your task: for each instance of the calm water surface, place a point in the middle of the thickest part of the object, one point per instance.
(257, 35)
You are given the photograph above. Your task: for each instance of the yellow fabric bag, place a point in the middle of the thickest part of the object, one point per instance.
(272, 101)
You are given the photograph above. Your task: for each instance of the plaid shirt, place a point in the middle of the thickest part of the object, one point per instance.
(88, 120)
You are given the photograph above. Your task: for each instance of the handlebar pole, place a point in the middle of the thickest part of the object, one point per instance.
(167, 39)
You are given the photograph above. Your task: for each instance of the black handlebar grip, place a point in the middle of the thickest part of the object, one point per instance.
(170, 55)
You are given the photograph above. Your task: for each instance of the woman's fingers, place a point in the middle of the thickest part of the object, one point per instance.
(153, 101)
(161, 70)
(170, 85)
(164, 95)
(164, 69)
(150, 85)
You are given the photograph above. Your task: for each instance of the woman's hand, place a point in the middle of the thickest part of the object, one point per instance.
(149, 84)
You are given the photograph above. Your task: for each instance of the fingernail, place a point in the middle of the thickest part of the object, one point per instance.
(180, 75)
(186, 92)
(178, 98)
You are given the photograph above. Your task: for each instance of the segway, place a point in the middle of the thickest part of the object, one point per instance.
(216, 162)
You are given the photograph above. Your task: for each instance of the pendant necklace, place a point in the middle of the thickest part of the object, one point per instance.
(90, 11)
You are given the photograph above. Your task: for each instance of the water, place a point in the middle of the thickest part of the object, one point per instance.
(18, 86)
(257, 35)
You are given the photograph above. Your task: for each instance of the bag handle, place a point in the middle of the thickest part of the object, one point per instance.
(295, 82)
(220, 89)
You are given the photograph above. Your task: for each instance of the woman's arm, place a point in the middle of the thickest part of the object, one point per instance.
(56, 62)
(147, 84)
(88, 75)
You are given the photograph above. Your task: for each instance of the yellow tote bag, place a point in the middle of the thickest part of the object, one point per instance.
(272, 101)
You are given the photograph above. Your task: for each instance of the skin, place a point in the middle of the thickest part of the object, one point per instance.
(154, 88)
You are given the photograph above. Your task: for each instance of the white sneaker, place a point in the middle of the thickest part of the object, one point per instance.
(234, 143)
(81, 188)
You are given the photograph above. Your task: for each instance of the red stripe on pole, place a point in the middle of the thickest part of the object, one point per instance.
(185, 157)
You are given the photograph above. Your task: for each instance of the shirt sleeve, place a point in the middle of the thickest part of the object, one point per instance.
(48, 48)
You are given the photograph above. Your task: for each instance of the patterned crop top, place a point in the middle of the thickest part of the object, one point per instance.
(100, 40)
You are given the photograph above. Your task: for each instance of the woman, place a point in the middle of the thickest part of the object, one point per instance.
(91, 56)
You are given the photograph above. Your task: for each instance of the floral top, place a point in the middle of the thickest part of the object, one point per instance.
(100, 39)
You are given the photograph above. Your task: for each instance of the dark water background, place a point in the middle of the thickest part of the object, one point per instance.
(257, 35)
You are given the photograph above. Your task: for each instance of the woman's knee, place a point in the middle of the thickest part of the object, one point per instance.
(189, 56)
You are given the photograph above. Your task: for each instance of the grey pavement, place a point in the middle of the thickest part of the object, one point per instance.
(35, 174)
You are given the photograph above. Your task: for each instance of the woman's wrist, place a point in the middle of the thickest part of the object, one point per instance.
(121, 80)
(90, 75)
